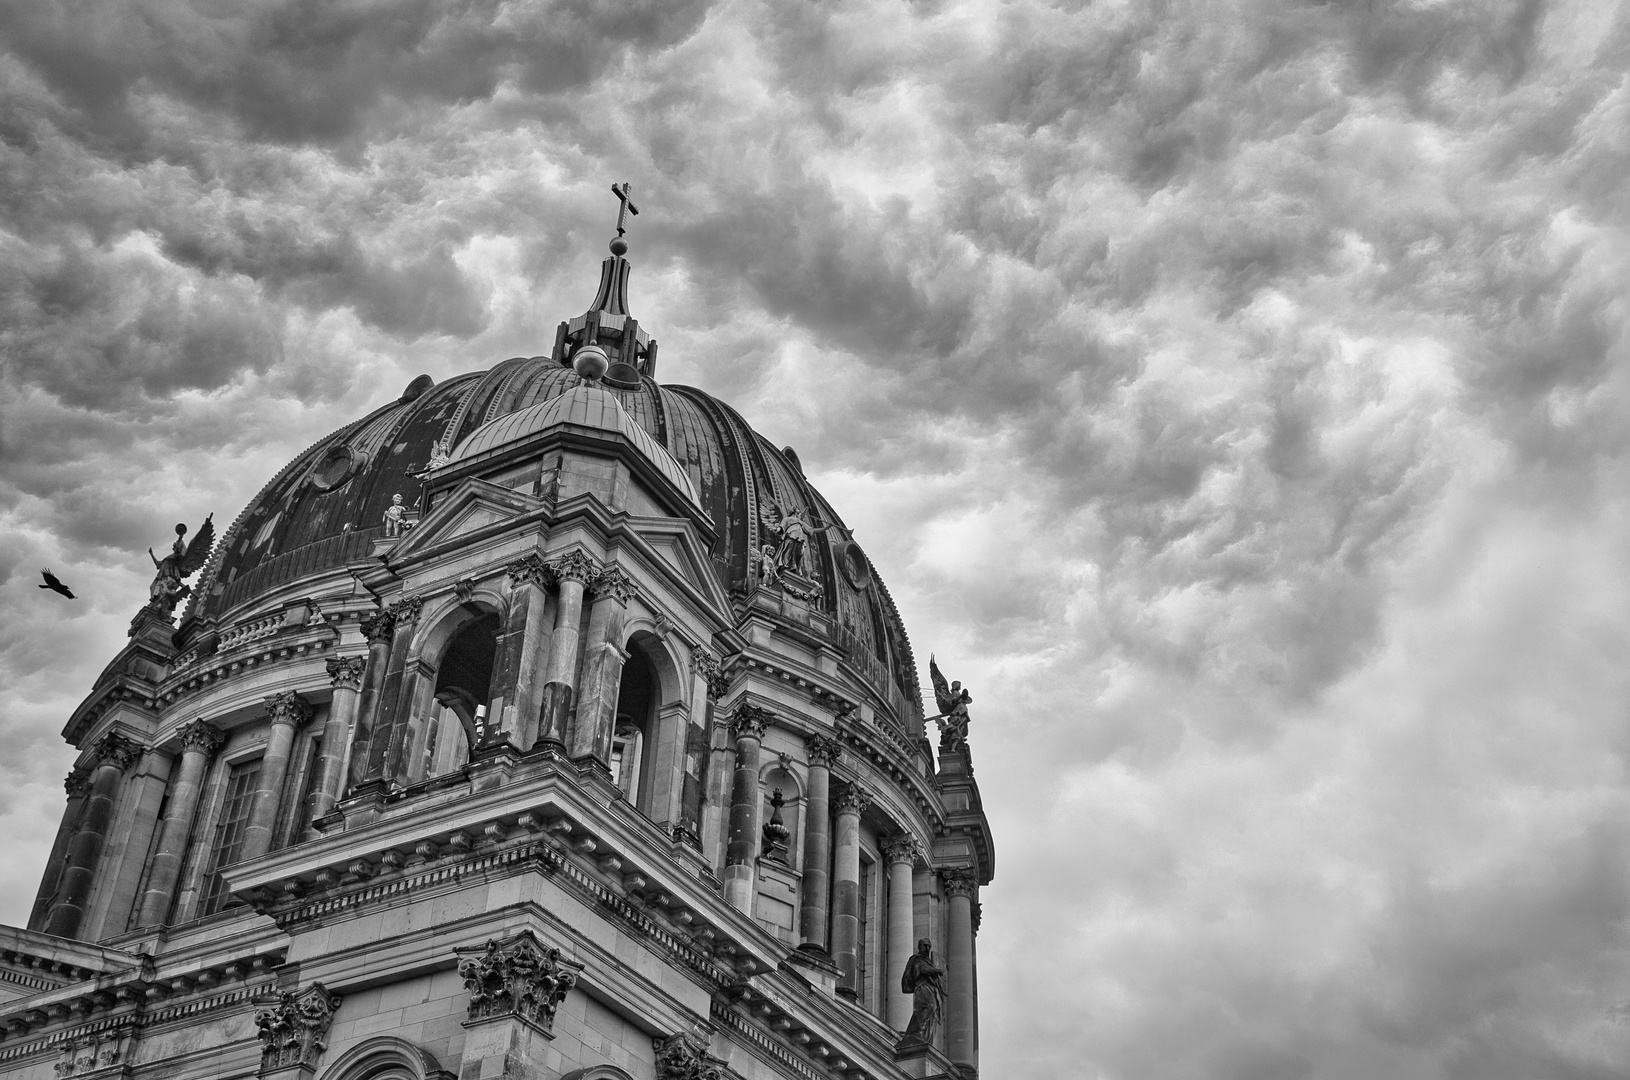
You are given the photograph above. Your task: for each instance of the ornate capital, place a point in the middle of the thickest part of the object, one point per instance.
(903, 848)
(529, 569)
(516, 976)
(683, 1056)
(612, 582)
(76, 783)
(853, 799)
(345, 672)
(202, 737)
(823, 752)
(750, 722)
(116, 750)
(959, 881)
(574, 566)
(379, 626)
(287, 708)
(294, 1030)
(407, 608)
(707, 664)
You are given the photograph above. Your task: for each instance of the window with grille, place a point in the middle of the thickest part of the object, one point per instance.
(229, 833)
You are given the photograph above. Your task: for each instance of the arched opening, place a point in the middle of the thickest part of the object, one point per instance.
(631, 740)
(458, 707)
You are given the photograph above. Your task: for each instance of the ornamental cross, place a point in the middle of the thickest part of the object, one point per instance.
(626, 205)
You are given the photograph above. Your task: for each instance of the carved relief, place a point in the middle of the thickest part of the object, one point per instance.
(517, 977)
(294, 1031)
(345, 672)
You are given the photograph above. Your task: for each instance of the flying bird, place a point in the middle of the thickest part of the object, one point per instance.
(54, 585)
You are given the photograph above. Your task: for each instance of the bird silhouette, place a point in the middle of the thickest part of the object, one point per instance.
(54, 585)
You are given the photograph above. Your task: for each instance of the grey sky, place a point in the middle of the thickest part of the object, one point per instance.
(1234, 393)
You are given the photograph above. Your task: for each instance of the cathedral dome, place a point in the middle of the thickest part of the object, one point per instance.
(325, 508)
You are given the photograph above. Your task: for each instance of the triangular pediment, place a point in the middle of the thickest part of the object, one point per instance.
(474, 507)
(677, 546)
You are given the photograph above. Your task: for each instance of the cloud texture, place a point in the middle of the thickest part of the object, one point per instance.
(1235, 394)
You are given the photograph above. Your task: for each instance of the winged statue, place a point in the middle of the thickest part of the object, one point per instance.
(953, 702)
(184, 560)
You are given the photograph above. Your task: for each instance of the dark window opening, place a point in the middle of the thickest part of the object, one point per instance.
(463, 687)
(631, 741)
(230, 828)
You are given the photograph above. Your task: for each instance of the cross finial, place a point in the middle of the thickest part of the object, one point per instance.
(626, 205)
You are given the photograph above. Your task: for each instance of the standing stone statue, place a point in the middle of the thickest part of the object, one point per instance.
(184, 560)
(395, 517)
(925, 982)
(953, 702)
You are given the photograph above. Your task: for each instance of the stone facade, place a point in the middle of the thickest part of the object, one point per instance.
(574, 774)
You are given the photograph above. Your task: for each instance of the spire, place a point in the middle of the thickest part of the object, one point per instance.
(607, 323)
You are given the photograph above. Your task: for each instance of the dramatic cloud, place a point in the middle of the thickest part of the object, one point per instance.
(1236, 394)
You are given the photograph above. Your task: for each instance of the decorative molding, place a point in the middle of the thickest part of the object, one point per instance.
(852, 799)
(750, 721)
(612, 582)
(959, 881)
(516, 976)
(707, 664)
(294, 1031)
(407, 608)
(288, 708)
(202, 736)
(345, 672)
(823, 752)
(529, 569)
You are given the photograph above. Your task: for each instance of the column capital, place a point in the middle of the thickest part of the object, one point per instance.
(516, 976)
(116, 750)
(287, 708)
(705, 662)
(959, 881)
(574, 566)
(407, 608)
(529, 569)
(750, 721)
(613, 584)
(294, 1030)
(379, 626)
(202, 737)
(345, 672)
(684, 1056)
(902, 848)
(823, 752)
(853, 799)
(77, 782)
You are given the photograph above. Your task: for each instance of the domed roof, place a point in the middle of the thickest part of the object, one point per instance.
(323, 510)
(588, 406)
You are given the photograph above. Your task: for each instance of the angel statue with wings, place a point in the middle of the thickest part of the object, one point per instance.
(953, 702)
(184, 560)
(790, 530)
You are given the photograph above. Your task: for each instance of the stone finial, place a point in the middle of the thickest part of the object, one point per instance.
(614, 583)
(683, 1056)
(959, 881)
(114, 749)
(776, 836)
(902, 848)
(750, 721)
(345, 672)
(379, 626)
(574, 566)
(517, 976)
(853, 799)
(202, 736)
(287, 707)
(823, 752)
(294, 1030)
(529, 569)
(707, 663)
(76, 783)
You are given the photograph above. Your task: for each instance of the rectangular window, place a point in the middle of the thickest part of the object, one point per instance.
(863, 978)
(229, 833)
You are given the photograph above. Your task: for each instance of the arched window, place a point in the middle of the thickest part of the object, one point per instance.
(453, 719)
(387, 1057)
(631, 739)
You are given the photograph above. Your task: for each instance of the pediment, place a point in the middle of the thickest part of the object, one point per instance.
(677, 546)
(472, 508)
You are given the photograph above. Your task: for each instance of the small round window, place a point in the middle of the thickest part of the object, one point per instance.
(336, 467)
(853, 562)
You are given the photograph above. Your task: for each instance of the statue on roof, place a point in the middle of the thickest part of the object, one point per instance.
(953, 702)
(169, 585)
(790, 530)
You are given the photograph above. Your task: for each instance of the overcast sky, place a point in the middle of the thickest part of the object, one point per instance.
(1234, 393)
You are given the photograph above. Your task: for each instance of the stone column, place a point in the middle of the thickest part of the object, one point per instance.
(708, 685)
(199, 742)
(902, 853)
(573, 571)
(346, 673)
(741, 844)
(114, 754)
(526, 640)
(823, 753)
(394, 709)
(78, 784)
(960, 885)
(850, 803)
(603, 658)
(380, 629)
(287, 712)
(125, 858)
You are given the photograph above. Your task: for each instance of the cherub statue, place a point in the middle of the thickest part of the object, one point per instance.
(395, 517)
(953, 702)
(184, 560)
